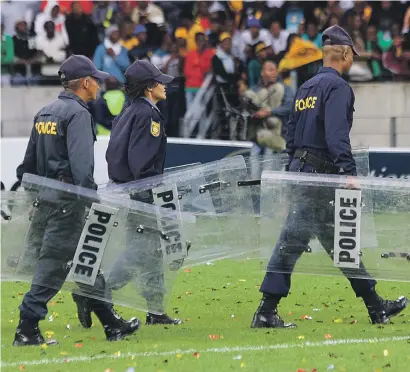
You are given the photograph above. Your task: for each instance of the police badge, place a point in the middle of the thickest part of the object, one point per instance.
(155, 128)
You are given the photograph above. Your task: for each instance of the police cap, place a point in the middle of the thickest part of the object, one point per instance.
(77, 67)
(141, 71)
(336, 35)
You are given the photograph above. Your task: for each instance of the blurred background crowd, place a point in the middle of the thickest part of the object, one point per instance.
(246, 50)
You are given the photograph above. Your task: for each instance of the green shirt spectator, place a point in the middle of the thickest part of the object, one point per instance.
(7, 51)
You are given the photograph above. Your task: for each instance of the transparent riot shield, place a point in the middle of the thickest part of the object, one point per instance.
(298, 206)
(269, 161)
(65, 236)
(225, 223)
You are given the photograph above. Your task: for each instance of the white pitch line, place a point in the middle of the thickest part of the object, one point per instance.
(228, 349)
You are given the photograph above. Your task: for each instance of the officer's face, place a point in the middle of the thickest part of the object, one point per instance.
(347, 59)
(159, 93)
(92, 86)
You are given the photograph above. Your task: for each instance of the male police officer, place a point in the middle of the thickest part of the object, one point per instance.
(318, 142)
(136, 150)
(64, 151)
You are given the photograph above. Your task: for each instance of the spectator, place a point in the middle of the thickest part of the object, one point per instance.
(108, 106)
(125, 13)
(360, 8)
(82, 33)
(192, 29)
(406, 22)
(323, 16)
(334, 20)
(175, 102)
(7, 54)
(163, 54)
(181, 37)
(385, 36)
(25, 52)
(147, 12)
(260, 52)
(52, 44)
(13, 11)
(216, 27)
(128, 39)
(384, 16)
(56, 17)
(255, 34)
(397, 60)
(373, 53)
(312, 34)
(111, 56)
(87, 6)
(197, 65)
(104, 15)
(226, 71)
(360, 70)
(238, 45)
(142, 50)
(202, 15)
(265, 129)
(279, 37)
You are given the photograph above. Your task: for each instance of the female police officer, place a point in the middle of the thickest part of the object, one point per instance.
(318, 141)
(136, 150)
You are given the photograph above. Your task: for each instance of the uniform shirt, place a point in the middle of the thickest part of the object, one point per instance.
(321, 119)
(62, 142)
(137, 144)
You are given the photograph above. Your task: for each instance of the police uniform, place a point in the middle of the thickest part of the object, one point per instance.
(136, 150)
(317, 142)
(61, 147)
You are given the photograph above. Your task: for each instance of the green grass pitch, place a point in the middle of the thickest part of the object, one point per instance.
(217, 303)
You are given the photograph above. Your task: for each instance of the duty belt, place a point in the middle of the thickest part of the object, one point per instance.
(321, 166)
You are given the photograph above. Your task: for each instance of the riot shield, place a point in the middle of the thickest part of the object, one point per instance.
(298, 206)
(65, 236)
(225, 223)
(269, 161)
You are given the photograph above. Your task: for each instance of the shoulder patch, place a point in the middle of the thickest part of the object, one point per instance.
(155, 128)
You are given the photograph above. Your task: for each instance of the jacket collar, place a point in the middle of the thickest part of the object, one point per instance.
(328, 69)
(71, 95)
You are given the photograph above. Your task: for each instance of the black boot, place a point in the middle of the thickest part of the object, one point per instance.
(28, 334)
(270, 319)
(115, 327)
(382, 310)
(267, 316)
(83, 310)
(155, 319)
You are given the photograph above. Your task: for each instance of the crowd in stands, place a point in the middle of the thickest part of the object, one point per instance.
(188, 40)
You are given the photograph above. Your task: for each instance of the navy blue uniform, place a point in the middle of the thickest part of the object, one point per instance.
(317, 142)
(136, 150)
(321, 120)
(138, 143)
(61, 147)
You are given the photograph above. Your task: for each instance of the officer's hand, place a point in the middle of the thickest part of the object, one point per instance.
(352, 183)
(262, 114)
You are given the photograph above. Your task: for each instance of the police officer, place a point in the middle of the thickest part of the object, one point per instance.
(318, 142)
(61, 147)
(136, 150)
